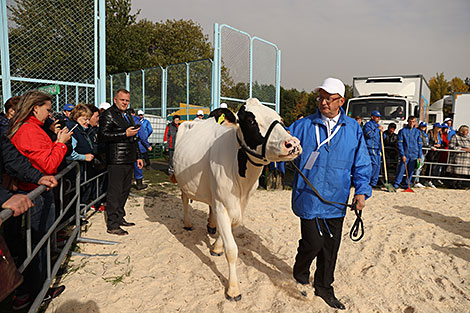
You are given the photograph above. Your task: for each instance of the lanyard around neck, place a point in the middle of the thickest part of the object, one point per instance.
(328, 139)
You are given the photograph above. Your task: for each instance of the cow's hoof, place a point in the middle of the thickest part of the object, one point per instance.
(188, 228)
(213, 253)
(211, 230)
(237, 298)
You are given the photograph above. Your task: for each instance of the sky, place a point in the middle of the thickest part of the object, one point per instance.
(342, 38)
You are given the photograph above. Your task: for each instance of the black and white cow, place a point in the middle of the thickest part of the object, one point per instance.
(220, 165)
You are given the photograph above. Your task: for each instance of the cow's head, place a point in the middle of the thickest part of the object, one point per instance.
(264, 133)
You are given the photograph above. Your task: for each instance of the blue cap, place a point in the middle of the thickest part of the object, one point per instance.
(423, 124)
(444, 125)
(376, 113)
(68, 107)
(437, 125)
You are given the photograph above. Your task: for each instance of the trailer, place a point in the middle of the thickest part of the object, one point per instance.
(395, 97)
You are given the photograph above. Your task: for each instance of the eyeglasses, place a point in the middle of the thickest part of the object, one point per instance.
(328, 101)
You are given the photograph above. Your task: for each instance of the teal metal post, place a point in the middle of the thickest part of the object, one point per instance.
(164, 84)
(187, 91)
(143, 90)
(95, 53)
(217, 71)
(102, 51)
(278, 82)
(5, 53)
(111, 95)
(251, 67)
(128, 81)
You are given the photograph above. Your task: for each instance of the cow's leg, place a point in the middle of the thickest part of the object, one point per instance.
(211, 222)
(224, 225)
(187, 217)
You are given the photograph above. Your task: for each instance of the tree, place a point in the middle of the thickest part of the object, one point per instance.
(439, 87)
(458, 85)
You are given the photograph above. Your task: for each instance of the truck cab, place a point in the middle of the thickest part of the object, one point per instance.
(396, 98)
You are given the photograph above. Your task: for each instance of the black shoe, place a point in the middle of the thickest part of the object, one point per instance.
(139, 185)
(117, 231)
(331, 300)
(52, 293)
(126, 223)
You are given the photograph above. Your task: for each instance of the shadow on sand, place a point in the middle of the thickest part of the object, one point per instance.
(451, 224)
(167, 209)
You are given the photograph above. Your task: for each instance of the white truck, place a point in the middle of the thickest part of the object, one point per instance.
(459, 103)
(395, 97)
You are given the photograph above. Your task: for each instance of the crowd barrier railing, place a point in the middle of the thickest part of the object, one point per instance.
(75, 236)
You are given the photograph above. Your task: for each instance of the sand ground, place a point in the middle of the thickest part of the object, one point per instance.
(415, 257)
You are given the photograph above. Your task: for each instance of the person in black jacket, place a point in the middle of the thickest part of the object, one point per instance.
(118, 131)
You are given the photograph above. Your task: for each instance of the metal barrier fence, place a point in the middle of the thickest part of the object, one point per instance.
(57, 46)
(246, 67)
(80, 211)
(431, 169)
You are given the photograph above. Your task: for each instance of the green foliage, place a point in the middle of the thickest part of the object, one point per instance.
(52, 39)
(439, 87)
(458, 85)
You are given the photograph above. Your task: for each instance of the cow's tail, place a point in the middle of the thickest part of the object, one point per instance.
(173, 178)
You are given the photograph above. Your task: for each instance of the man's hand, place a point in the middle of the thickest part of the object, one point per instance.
(18, 204)
(403, 158)
(360, 201)
(48, 181)
(140, 163)
(131, 131)
(381, 128)
(150, 148)
(89, 157)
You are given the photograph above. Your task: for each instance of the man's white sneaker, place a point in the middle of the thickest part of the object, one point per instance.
(419, 185)
(430, 184)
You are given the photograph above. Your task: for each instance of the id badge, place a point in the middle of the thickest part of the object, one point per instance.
(311, 160)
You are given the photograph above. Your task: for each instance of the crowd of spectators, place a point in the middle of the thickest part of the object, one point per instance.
(35, 145)
(423, 152)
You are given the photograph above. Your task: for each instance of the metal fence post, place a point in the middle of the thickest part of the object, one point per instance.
(102, 51)
(111, 88)
(128, 82)
(278, 82)
(5, 53)
(143, 90)
(187, 91)
(164, 90)
(251, 67)
(217, 71)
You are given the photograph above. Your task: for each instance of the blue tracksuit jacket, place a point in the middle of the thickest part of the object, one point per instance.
(345, 155)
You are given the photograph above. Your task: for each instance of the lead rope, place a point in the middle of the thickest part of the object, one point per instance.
(358, 225)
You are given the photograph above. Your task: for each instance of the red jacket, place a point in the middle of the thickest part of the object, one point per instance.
(33, 142)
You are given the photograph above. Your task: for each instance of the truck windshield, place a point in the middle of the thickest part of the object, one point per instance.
(390, 109)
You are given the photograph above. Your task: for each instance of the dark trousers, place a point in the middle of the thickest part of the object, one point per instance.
(321, 246)
(146, 158)
(119, 186)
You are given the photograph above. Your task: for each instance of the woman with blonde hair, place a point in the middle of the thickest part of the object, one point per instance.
(31, 140)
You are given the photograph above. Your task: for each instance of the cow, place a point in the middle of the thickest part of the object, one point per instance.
(221, 165)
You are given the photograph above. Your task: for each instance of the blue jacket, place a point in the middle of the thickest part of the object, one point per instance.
(147, 126)
(409, 143)
(144, 144)
(450, 133)
(346, 155)
(372, 135)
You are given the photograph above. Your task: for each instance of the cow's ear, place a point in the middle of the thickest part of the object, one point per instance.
(241, 113)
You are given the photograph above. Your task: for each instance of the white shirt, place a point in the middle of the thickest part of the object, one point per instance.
(330, 123)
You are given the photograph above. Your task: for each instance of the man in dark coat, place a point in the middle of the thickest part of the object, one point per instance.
(118, 130)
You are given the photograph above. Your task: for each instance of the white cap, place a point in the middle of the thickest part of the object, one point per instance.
(200, 112)
(332, 86)
(447, 119)
(223, 105)
(140, 112)
(104, 105)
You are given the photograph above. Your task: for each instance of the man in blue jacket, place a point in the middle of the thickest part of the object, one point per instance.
(372, 132)
(144, 145)
(148, 130)
(410, 149)
(335, 157)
